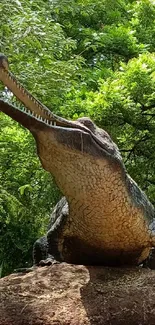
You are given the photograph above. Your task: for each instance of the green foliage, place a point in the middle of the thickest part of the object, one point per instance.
(27, 195)
(79, 58)
(143, 22)
(30, 38)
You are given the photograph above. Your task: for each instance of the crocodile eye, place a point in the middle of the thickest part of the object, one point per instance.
(87, 122)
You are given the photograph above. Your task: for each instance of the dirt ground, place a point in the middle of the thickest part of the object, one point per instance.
(78, 295)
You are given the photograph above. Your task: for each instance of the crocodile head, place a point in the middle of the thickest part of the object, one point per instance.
(71, 150)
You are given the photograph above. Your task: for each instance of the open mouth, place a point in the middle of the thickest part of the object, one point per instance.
(32, 106)
(35, 111)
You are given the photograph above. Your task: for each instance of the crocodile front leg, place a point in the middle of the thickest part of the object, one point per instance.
(45, 250)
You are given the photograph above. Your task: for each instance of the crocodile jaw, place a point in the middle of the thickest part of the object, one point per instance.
(52, 131)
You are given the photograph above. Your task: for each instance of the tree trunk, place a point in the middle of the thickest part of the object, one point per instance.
(78, 295)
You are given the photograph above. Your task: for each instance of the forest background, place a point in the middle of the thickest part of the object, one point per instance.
(79, 58)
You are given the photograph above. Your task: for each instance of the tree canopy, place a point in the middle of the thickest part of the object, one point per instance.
(80, 58)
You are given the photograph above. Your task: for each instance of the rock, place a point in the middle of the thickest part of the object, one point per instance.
(78, 295)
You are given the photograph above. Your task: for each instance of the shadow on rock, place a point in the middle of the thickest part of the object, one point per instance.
(119, 296)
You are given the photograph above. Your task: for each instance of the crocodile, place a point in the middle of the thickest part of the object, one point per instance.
(104, 217)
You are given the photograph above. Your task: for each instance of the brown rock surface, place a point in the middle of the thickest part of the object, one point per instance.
(78, 295)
